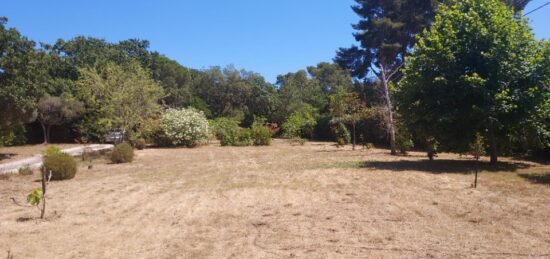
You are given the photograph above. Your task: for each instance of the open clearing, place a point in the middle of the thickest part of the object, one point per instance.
(283, 201)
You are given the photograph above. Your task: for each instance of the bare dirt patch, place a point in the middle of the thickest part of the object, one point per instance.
(283, 201)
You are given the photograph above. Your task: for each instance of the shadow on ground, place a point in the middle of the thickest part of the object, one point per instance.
(543, 178)
(443, 166)
(6, 155)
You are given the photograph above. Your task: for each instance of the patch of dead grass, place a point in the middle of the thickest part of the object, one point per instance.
(283, 201)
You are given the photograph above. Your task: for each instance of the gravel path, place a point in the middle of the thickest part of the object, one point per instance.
(36, 161)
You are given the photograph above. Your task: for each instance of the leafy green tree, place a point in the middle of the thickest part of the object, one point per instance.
(386, 33)
(348, 108)
(22, 79)
(55, 111)
(300, 123)
(235, 93)
(311, 88)
(175, 79)
(330, 77)
(117, 97)
(471, 72)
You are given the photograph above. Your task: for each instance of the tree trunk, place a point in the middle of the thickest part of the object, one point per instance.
(493, 144)
(49, 130)
(43, 210)
(45, 133)
(391, 126)
(353, 145)
(477, 169)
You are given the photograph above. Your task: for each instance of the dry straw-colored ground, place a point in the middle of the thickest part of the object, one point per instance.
(314, 201)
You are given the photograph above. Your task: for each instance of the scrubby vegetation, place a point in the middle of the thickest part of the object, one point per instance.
(228, 131)
(61, 166)
(140, 143)
(261, 135)
(122, 153)
(382, 87)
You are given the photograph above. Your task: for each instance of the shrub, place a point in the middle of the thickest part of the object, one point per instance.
(261, 135)
(230, 134)
(52, 150)
(244, 138)
(431, 147)
(403, 141)
(224, 127)
(185, 127)
(300, 124)
(122, 153)
(24, 171)
(62, 166)
(151, 131)
(140, 143)
(341, 133)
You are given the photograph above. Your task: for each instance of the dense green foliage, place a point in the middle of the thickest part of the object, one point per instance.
(228, 131)
(54, 111)
(341, 132)
(122, 153)
(261, 135)
(61, 166)
(116, 97)
(476, 67)
(300, 124)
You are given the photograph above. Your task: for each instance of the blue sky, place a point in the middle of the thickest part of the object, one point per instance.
(270, 37)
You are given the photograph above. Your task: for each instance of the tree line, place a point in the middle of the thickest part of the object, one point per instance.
(431, 74)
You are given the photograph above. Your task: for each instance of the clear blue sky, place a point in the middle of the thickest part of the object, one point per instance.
(267, 36)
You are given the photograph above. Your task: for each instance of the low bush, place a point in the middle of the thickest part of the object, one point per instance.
(51, 150)
(341, 133)
(122, 153)
(61, 166)
(151, 131)
(261, 135)
(230, 134)
(300, 124)
(403, 141)
(140, 143)
(24, 171)
(243, 138)
(224, 128)
(185, 127)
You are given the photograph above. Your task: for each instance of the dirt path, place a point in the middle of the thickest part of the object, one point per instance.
(36, 160)
(313, 201)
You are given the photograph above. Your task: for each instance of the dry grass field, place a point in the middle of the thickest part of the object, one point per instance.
(283, 201)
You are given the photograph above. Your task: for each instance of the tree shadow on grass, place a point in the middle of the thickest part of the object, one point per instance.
(444, 166)
(543, 178)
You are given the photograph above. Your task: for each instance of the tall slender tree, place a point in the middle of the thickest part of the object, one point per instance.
(385, 32)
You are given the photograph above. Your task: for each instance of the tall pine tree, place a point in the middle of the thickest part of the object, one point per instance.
(385, 32)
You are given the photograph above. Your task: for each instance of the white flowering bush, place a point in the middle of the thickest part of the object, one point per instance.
(185, 127)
